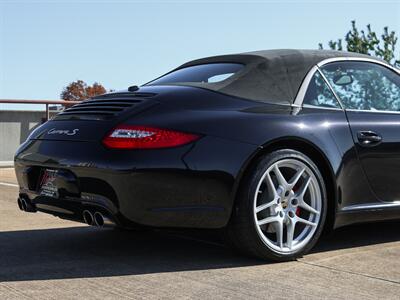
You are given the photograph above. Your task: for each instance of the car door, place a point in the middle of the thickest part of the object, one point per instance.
(370, 94)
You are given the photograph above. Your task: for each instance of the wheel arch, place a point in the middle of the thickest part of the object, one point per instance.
(313, 152)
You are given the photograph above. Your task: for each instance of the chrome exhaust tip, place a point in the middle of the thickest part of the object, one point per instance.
(19, 201)
(102, 221)
(24, 205)
(88, 217)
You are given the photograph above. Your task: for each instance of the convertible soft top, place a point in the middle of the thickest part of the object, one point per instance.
(273, 76)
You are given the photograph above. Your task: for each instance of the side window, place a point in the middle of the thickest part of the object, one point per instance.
(319, 94)
(364, 85)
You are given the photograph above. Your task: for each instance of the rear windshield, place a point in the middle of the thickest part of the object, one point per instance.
(206, 73)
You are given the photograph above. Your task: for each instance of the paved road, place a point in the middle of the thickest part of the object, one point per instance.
(42, 257)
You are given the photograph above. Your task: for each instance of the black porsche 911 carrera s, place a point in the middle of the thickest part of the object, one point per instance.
(273, 147)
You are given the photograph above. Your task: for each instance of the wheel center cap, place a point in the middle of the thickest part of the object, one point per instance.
(284, 204)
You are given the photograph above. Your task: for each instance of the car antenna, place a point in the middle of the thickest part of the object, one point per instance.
(133, 88)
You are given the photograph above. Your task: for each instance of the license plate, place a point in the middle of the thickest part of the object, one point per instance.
(48, 184)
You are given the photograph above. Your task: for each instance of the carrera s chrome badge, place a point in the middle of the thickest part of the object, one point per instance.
(63, 131)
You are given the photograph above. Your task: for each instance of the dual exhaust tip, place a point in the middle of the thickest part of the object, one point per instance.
(97, 219)
(25, 205)
(93, 219)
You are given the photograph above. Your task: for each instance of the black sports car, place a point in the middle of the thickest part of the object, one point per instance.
(272, 146)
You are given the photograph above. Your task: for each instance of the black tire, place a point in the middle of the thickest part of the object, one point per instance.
(241, 231)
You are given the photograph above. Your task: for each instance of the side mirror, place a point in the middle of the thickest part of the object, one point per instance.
(343, 79)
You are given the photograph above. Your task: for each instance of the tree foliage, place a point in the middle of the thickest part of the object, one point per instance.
(368, 42)
(79, 90)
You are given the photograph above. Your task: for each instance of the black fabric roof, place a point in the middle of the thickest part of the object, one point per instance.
(273, 76)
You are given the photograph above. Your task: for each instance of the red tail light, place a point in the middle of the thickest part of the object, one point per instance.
(142, 137)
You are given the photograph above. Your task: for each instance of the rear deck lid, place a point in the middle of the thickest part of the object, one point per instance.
(104, 107)
(93, 118)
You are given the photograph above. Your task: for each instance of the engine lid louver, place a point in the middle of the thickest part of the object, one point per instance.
(103, 107)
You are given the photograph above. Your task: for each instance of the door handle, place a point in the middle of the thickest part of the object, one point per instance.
(368, 138)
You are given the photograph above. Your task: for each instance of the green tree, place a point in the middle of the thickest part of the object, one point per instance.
(368, 42)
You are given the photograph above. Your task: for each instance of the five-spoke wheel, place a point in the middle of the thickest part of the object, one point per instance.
(281, 208)
(287, 205)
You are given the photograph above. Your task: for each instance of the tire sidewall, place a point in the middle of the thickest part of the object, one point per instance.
(250, 189)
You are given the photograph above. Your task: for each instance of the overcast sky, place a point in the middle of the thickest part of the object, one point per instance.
(44, 45)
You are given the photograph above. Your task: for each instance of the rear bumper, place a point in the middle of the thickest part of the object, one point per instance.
(189, 186)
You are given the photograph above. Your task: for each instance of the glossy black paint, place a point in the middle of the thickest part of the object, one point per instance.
(381, 160)
(195, 185)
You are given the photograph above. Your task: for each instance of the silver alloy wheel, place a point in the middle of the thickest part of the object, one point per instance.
(287, 206)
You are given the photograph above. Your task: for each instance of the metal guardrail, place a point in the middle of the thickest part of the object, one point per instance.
(46, 102)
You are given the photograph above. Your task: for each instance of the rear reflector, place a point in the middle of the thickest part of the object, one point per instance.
(142, 137)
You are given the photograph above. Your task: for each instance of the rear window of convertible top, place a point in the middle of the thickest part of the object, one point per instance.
(205, 73)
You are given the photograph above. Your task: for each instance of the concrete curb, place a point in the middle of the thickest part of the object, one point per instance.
(6, 164)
